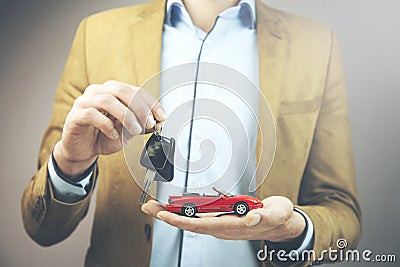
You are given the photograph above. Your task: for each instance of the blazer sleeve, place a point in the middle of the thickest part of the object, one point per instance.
(328, 190)
(46, 219)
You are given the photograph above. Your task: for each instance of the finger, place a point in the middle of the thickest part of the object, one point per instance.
(111, 105)
(122, 92)
(126, 136)
(93, 117)
(202, 225)
(158, 126)
(175, 220)
(221, 223)
(150, 122)
(276, 211)
(152, 207)
(278, 202)
(156, 108)
(132, 97)
(129, 97)
(142, 112)
(252, 218)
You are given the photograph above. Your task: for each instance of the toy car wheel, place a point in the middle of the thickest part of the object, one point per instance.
(189, 210)
(241, 208)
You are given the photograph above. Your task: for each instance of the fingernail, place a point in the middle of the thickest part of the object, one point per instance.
(115, 134)
(162, 114)
(136, 129)
(254, 219)
(150, 122)
(158, 126)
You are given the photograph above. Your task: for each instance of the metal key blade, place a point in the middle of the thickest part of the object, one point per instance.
(148, 180)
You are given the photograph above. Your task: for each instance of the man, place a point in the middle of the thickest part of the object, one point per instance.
(297, 65)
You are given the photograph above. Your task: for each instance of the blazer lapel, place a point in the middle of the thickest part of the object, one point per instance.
(146, 39)
(273, 51)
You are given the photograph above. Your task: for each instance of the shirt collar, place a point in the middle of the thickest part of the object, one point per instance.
(175, 10)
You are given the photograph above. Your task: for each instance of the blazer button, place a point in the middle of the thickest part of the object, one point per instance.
(33, 213)
(37, 211)
(40, 202)
(147, 231)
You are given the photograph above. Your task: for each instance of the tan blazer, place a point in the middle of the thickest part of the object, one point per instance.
(300, 74)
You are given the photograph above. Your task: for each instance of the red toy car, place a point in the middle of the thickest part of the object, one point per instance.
(191, 203)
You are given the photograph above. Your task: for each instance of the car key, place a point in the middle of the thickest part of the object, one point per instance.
(158, 158)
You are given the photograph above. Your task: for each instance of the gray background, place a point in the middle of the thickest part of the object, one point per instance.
(35, 40)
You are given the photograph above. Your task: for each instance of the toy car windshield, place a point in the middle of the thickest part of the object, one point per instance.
(222, 193)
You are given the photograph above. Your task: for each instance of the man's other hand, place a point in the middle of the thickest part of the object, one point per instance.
(276, 222)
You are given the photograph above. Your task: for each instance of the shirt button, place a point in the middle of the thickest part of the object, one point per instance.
(192, 183)
(209, 43)
(200, 135)
(197, 183)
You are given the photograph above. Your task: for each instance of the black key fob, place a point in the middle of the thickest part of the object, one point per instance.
(158, 155)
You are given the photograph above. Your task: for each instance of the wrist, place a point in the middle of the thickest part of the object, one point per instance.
(297, 245)
(71, 168)
(295, 228)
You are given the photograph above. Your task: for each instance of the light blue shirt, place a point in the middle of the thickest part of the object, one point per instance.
(232, 43)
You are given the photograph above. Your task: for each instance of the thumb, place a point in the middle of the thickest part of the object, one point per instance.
(254, 217)
(275, 210)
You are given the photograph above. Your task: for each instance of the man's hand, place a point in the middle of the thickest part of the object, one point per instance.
(276, 222)
(94, 124)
